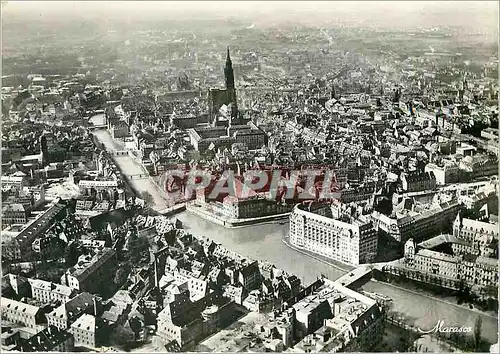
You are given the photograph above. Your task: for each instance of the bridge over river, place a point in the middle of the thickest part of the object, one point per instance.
(264, 242)
(136, 174)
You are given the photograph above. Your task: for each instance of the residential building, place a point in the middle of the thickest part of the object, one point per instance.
(46, 291)
(91, 272)
(415, 182)
(449, 270)
(249, 275)
(21, 313)
(180, 320)
(252, 207)
(51, 339)
(84, 331)
(445, 173)
(14, 213)
(418, 224)
(349, 321)
(63, 316)
(480, 234)
(16, 182)
(480, 165)
(20, 239)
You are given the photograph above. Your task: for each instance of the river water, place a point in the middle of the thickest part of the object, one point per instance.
(264, 242)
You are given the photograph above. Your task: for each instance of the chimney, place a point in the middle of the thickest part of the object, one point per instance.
(39, 340)
(49, 330)
(95, 306)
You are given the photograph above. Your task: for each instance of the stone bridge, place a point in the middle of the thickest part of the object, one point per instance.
(97, 127)
(120, 152)
(359, 276)
(138, 176)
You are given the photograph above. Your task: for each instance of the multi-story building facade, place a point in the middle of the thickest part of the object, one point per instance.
(63, 316)
(480, 165)
(415, 182)
(46, 291)
(99, 186)
(251, 207)
(84, 331)
(481, 235)
(352, 241)
(51, 339)
(91, 272)
(21, 239)
(180, 320)
(360, 193)
(17, 182)
(418, 225)
(249, 275)
(21, 313)
(205, 137)
(14, 213)
(347, 321)
(119, 130)
(446, 173)
(449, 270)
(198, 288)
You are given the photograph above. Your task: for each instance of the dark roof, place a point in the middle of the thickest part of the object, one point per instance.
(44, 341)
(470, 257)
(250, 268)
(76, 306)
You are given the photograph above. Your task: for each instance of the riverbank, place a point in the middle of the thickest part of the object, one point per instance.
(421, 292)
(338, 265)
(264, 242)
(403, 294)
(232, 223)
(129, 166)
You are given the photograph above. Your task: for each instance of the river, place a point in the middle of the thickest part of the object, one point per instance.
(131, 167)
(264, 242)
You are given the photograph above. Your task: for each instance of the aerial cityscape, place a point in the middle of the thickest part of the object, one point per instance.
(309, 176)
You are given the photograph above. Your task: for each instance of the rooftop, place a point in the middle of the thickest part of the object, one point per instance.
(44, 341)
(18, 306)
(85, 322)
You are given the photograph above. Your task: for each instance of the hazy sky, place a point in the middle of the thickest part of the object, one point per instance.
(480, 13)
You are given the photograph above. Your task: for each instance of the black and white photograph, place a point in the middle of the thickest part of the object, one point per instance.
(249, 176)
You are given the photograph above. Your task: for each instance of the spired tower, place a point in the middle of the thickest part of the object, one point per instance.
(229, 75)
(231, 89)
(227, 96)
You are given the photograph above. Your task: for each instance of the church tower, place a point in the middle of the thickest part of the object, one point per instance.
(229, 75)
(230, 89)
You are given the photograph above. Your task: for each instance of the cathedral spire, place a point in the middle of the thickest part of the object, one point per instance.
(228, 72)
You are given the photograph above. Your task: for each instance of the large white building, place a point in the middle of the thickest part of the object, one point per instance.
(343, 238)
(20, 313)
(46, 291)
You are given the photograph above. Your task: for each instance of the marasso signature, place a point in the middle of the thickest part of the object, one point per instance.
(440, 327)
